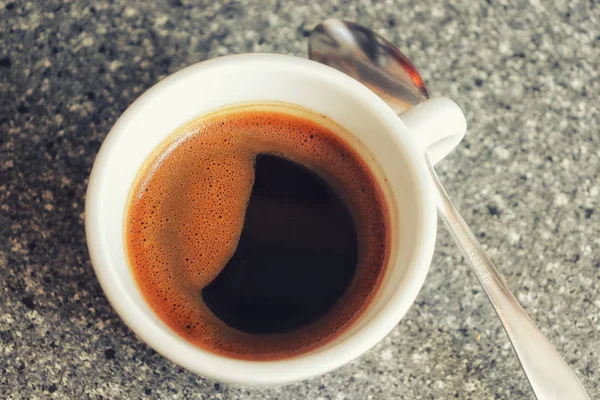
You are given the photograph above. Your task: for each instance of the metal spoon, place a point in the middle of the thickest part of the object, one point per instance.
(378, 64)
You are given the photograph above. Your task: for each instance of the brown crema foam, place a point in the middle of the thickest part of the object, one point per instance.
(187, 210)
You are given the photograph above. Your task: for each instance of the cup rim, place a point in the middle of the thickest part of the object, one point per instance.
(307, 365)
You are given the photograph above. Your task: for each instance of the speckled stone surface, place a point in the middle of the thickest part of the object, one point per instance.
(527, 179)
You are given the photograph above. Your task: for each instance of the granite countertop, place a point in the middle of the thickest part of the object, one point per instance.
(527, 179)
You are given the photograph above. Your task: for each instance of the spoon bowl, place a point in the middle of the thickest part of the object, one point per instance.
(370, 59)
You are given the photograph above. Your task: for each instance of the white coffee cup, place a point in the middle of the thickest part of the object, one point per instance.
(396, 146)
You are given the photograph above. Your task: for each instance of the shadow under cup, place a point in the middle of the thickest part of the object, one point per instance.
(377, 134)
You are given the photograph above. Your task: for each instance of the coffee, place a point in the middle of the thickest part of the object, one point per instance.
(257, 232)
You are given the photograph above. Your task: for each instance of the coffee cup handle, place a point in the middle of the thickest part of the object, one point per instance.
(437, 125)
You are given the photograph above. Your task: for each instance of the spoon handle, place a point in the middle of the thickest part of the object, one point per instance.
(549, 375)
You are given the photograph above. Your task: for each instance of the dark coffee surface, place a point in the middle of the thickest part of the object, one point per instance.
(257, 232)
(287, 271)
